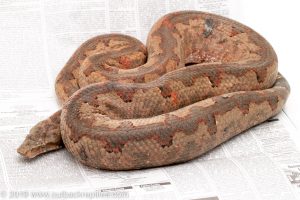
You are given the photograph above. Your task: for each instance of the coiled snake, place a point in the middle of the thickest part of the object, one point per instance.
(201, 80)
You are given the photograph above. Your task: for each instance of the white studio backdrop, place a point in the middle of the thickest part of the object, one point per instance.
(278, 22)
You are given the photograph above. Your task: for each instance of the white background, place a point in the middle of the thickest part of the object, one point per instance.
(279, 23)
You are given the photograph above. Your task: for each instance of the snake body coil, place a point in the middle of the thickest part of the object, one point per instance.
(201, 80)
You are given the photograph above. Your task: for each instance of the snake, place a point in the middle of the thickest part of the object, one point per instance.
(200, 80)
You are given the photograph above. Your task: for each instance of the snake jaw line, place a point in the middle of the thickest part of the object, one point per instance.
(30, 148)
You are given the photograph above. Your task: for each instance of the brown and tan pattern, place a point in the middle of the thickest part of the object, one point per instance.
(201, 80)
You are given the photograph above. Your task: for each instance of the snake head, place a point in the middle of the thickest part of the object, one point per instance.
(43, 137)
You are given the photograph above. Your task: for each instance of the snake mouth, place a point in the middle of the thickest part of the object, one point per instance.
(28, 150)
(43, 137)
(31, 148)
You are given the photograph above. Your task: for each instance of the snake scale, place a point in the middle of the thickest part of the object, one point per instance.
(200, 80)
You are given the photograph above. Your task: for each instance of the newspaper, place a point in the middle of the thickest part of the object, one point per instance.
(36, 39)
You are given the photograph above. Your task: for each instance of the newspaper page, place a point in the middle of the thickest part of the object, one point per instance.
(39, 36)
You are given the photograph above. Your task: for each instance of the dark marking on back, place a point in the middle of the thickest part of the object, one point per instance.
(208, 28)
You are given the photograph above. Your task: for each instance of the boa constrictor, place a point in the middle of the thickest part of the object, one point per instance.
(201, 80)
